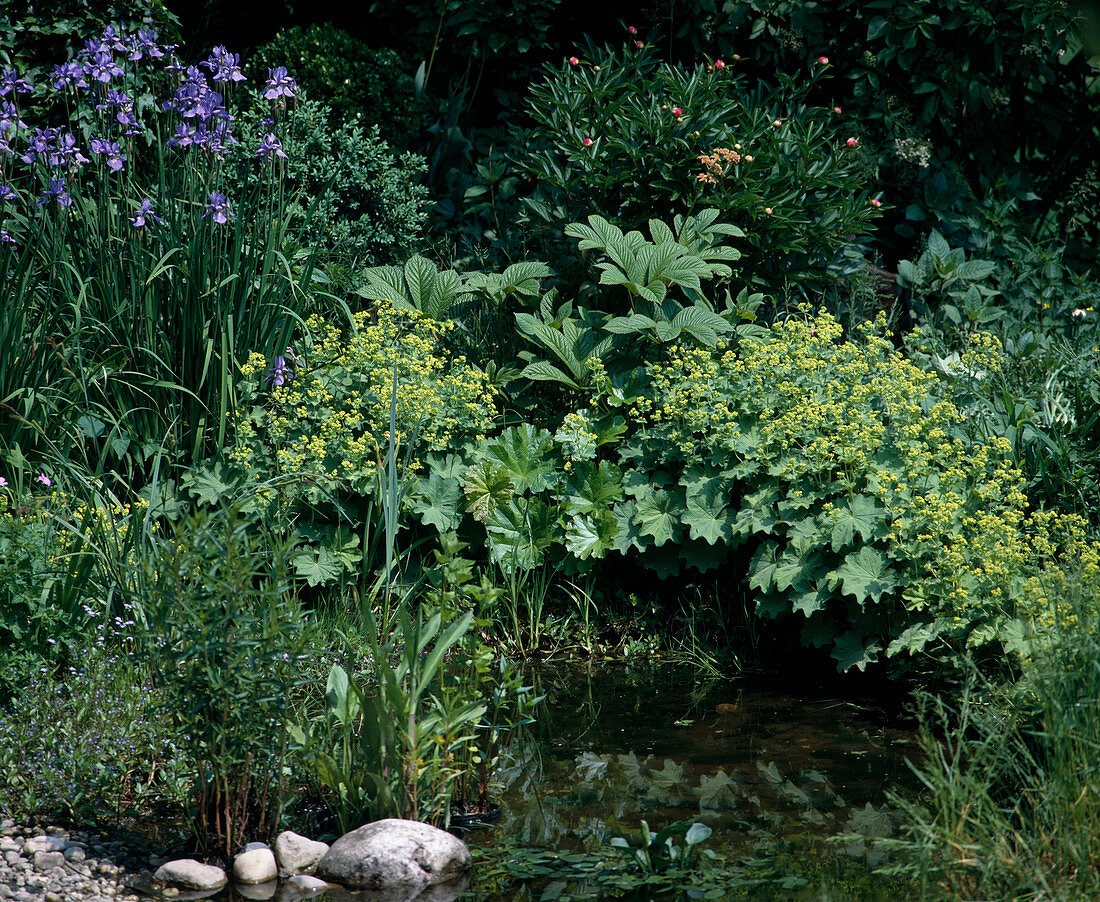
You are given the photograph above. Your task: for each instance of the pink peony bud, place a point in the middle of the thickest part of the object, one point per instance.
(836, 109)
(718, 64)
(768, 210)
(632, 30)
(573, 61)
(587, 142)
(639, 44)
(676, 111)
(824, 60)
(851, 142)
(876, 203)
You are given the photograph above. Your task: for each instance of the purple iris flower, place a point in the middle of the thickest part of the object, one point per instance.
(7, 192)
(113, 38)
(279, 373)
(173, 64)
(271, 145)
(9, 115)
(185, 136)
(56, 190)
(219, 207)
(67, 153)
(6, 238)
(69, 75)
(144, 43)
(279, 84)
(224, 66)
(102, 67)
(145, 215)
(111, 150)
(11, 83)
(42, 143)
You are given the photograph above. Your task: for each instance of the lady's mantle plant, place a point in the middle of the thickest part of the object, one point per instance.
(312, 429)
(876, 514)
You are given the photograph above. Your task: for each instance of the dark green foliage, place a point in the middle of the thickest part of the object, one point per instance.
(359, 84)
(365, 203)
(224, 635)
(622, 135)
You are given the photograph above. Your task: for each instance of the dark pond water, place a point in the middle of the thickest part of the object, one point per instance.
(777, 776)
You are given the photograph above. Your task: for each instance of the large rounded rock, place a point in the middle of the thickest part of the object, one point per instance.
(191, 874)
(298, 854)
(254, 866)
(394, 852)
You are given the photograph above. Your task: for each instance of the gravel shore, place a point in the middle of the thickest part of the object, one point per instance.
(51, 864)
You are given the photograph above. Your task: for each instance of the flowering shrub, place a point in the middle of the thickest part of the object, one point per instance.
(876, 515)
(619, 134)
(315, 424)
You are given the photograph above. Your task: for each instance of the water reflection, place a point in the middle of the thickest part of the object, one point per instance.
(769, 772)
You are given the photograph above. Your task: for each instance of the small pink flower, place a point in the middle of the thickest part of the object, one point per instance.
(44, 479)
(639, 44)
(676, 111)
(573, 61)
(3, 483)
(768, 210)
(748, 159)
(587, 142)
(836, 109)
(632, 30)
(824, 60)
(718, 64)
(851, 142)
(876, 203)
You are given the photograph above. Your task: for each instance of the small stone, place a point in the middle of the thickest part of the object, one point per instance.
(75, 854)
(7, 844)
(191, 874)
(44, 844)
(298, 854)
(47, 861)
(255, 866)
(53, 897)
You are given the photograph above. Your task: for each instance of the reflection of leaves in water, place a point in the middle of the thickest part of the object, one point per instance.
(862, 828)
(770, 773)
(592, 767)
(794, 794)
(717, 792)
(870, 821)
(632, 767)
(665, 784)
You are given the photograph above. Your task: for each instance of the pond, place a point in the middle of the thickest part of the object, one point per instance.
(777, 776)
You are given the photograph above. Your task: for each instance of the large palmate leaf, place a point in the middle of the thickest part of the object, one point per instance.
(853, 650)
(659, 514)
(317, 566)
(526, 453)
(707, 516)
(865, 574)
(439, 502)
(418, 286)
(520, 531)
(860, 516)
(593, 487)
(591, 535)
(487, 485)
(762, 568)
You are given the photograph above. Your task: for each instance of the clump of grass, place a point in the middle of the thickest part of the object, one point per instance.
(1012, 809)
